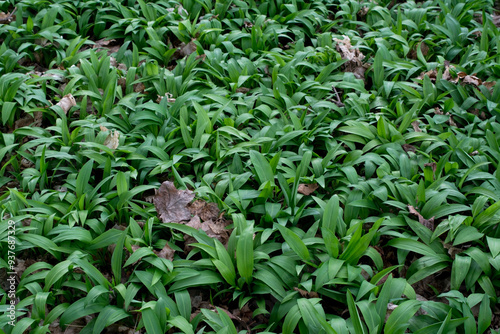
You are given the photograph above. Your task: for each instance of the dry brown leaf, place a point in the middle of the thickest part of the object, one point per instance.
(306, 294)
(472, 80)
(429, 223)
(432, 74)
(171, 203)
(186, 50)
(490, 85)
(415, 124)
(438, 111)
(496, 20)
(206, 211)
(139, 87)
(67, 102)
(166, 253)
(108, 44)
(409, 148)
(112, 140)
(354, 57)
(28, 120)
(307, 189)
(243, 90)
(6, 18)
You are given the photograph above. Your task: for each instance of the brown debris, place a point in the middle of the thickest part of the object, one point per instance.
(112, 140)
(166, 253)
(415, 124)
(307, 189)
(139, 87)
(6, 18)
(354, 57)
(28, 120)
(168, 96)
(432, 74)
(429, 223)
(107, 44)
(187, 49)
(66, 103)
(243, 90)
(213, 228)
(423, 48)
(171, 203)
(206, 211)
(409, 148)
(306, 294)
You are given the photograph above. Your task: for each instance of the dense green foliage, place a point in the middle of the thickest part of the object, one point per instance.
(361, 186)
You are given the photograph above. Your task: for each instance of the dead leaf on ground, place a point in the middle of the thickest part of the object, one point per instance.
(409, 148)
(66, 103)
(496, 20)
(423, 48)
(6, 18)
(171, 203)
(28, 120)
(107, 44)
(169, 97)
(472, 80)
(432, 74)
(354, 57)
(438, 111)
(306, 294)
(187, 49)
(415, 124)
(206, 211)
(214, 229)
(307, 189)
(490, 85)
(243, 90)
(112, 140)
(139, 87)
(429, 223)
(166, 253)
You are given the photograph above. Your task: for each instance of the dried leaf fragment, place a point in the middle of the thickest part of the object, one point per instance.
(306, 294)
(112, 140)
(6, 18)
(307, 189)
(187, 49)
(415, 124)
(66, 103)
(429, 223)
(354, 57)
(166, 253)
(171, 203)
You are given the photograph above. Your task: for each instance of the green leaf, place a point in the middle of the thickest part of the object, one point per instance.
(295, 243)
(397, 323)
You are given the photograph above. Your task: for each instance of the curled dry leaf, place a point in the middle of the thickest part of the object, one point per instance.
(306, 294)
(415, 124)
(171, 203)
(307, 189)
(168, 96)
(6, 18)
(429, 223)
(214, 229)
(354, 57)
(112, 140)
(67, 102)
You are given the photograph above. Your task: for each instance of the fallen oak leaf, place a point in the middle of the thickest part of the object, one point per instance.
(429, 223)
(307, 189)
(171, 203)
(6, 18)
(166, 253)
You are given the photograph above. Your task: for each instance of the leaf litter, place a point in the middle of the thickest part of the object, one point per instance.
(174, 206)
